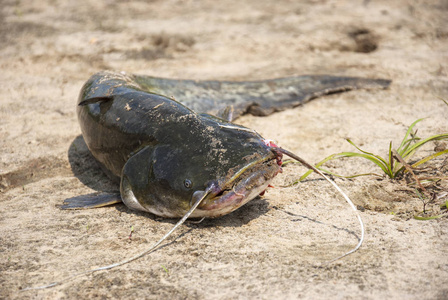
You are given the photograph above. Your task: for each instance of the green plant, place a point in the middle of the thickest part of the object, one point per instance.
(425, 201)
(165, 269)
(397, 160)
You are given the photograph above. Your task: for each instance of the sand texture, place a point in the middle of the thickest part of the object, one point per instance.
(276, 246)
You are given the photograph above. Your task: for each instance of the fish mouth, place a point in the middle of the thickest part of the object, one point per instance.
(249, 182)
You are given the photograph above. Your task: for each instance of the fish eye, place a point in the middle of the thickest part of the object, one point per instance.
(187, 183)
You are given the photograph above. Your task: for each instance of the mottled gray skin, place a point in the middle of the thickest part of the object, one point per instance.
(168, 152)
(260, 98)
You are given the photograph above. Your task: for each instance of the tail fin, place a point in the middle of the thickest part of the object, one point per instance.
(260, 98)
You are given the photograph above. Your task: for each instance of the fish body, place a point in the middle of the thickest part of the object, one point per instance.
(168, 141)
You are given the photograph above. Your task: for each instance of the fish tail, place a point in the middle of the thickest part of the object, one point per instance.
(259, 98)
(293, 91)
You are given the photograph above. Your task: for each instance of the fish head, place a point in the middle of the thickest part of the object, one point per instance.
(226, 164)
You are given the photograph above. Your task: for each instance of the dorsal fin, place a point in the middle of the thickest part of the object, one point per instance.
(95, 100)
(227, 113)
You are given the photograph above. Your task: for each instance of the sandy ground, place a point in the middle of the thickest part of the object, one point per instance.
(275, 246)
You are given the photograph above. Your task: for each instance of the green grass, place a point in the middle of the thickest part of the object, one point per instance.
(165, 269)
(396, 164)
(397, 160)
(421, 215)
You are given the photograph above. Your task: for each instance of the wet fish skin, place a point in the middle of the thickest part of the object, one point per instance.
(139, 134)
(154, 144)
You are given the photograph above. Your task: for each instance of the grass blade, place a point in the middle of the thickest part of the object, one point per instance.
(405, 138)
(377, 157)
(414, 147)
(428, 158)
(417, 217)
(379, 161)
(373, 158)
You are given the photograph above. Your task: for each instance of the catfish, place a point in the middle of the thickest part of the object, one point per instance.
(168, 141)
(173, 147)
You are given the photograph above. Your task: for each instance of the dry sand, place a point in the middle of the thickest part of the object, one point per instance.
(273, 247)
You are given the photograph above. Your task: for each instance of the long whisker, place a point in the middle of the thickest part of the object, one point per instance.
(306, 164)
(151, 249)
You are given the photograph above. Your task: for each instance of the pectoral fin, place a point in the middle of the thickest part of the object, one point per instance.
(93, 200)
(135, 178)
